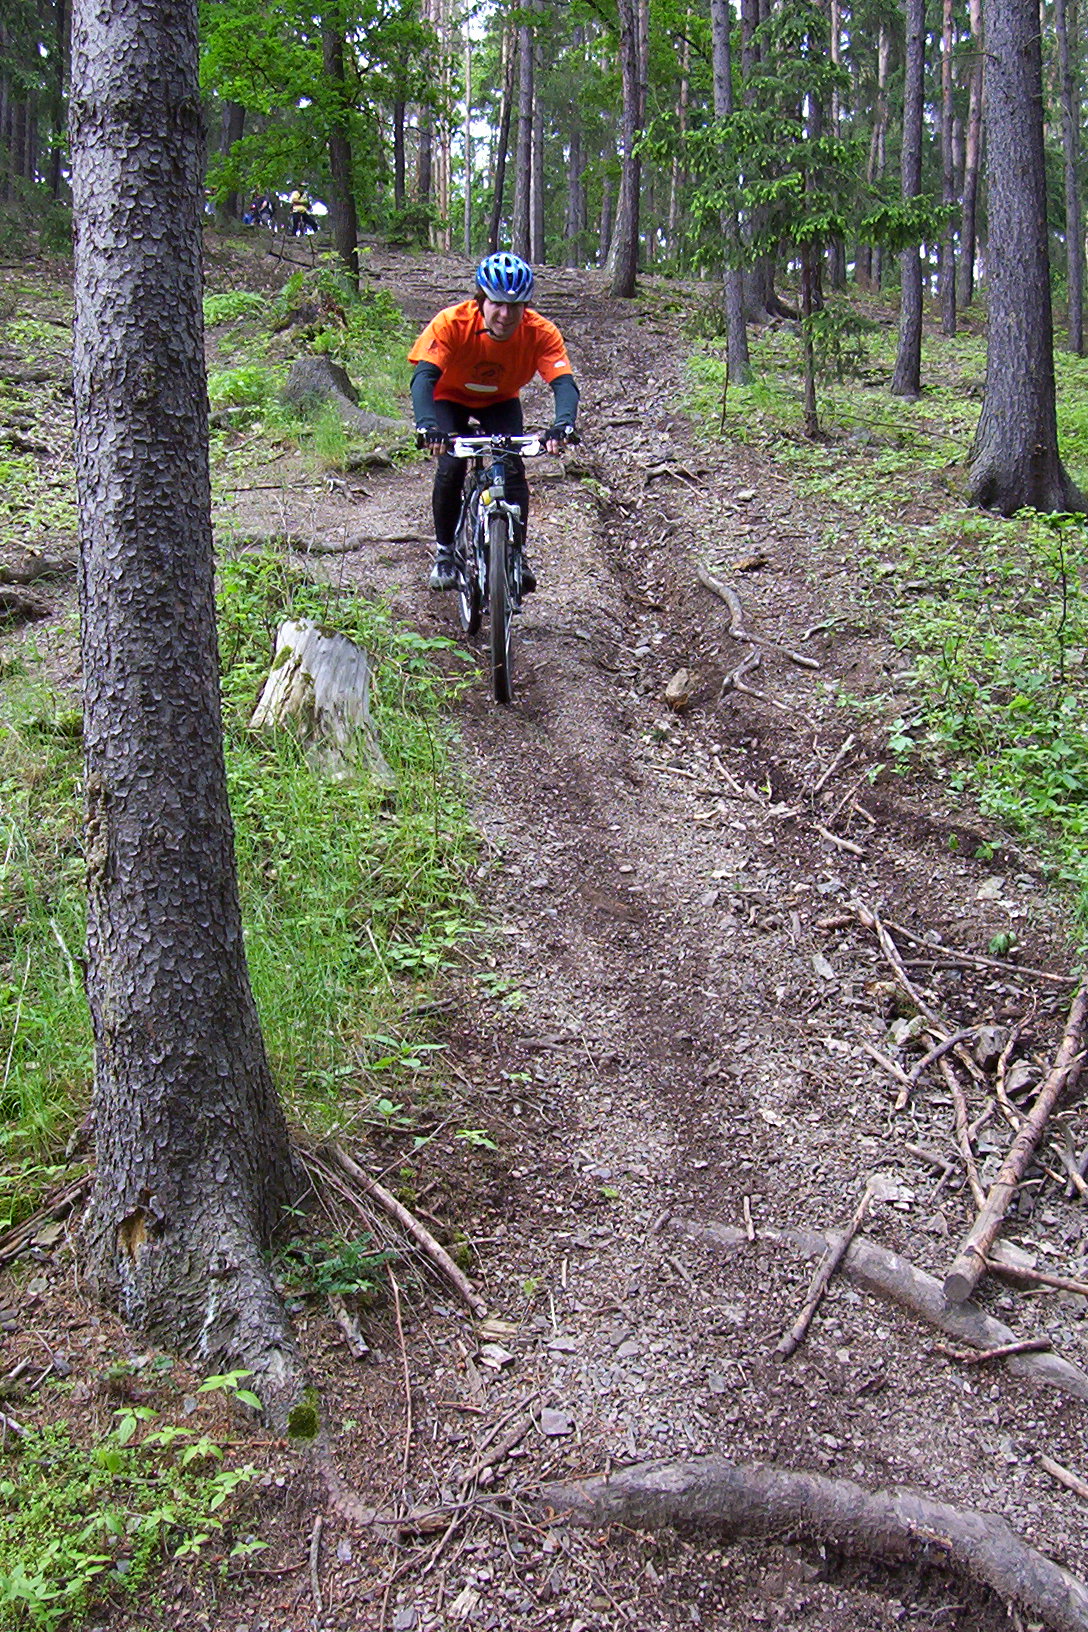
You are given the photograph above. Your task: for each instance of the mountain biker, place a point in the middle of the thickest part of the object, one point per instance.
(470, 363)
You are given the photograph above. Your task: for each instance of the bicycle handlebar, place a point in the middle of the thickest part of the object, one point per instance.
(473, 447)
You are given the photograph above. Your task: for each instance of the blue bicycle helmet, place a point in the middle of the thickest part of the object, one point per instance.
(505, 277)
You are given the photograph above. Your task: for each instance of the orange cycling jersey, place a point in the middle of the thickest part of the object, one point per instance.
(475, 368)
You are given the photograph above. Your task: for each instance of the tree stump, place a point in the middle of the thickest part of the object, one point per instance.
(319, 686)
(316, 380)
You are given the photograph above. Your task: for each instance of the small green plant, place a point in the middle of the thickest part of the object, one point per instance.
(479, 1138)
(334, 1269)
(247, 385)
(81, 1526)
(232, 304)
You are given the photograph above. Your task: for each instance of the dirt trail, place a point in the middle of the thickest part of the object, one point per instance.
(667, 1037)
(694, 1000)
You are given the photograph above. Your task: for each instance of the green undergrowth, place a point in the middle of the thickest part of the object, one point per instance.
(91, 1521)
(990, 613)
(355, 894)
(317, 311)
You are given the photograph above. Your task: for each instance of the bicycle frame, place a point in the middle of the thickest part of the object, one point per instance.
(488, 551)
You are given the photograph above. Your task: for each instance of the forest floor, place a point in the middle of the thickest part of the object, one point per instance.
(668, 1032)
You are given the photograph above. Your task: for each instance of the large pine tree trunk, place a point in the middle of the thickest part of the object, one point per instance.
(907, 376)
(1067, 29)
(971, 159)
(193, 1161)
(1014, 461)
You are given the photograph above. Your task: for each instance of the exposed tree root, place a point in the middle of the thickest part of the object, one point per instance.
(891, 1526)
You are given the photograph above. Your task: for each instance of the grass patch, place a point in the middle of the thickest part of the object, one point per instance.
(352, 899)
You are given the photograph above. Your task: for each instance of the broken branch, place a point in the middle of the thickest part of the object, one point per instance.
(736, 620)
(419, 1233)
(791, 1341)
(970, 1261)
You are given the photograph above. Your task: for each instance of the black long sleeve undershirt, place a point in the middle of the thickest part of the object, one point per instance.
(427, 375)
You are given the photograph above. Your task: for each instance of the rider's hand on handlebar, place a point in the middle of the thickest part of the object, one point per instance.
(431, 438)
(558, 437)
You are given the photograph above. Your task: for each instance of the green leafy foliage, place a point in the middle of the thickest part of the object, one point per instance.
(84, 1526)
(343, 1269)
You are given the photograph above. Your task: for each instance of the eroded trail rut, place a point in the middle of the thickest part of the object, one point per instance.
(686, 1042)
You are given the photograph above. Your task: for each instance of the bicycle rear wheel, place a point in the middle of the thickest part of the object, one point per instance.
(498, 535)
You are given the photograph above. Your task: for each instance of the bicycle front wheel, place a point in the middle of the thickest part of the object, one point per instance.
(498, 535)
(470, 593)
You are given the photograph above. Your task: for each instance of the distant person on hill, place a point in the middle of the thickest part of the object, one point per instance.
(301, 219)
(470, 363)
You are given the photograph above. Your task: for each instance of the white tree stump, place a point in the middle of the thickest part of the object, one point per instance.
(319, 687)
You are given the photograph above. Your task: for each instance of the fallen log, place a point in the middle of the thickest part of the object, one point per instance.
(970, 1261)
(892, 1526)
(893, 1277)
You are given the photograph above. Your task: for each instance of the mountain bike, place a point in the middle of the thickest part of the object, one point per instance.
(487, 547)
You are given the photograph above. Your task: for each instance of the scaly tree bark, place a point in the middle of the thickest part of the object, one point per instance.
(1066, 27)
(623, 252)
(972, 159)
(1015, 461)
(193, 1164)
(907, 377)
(345, 226)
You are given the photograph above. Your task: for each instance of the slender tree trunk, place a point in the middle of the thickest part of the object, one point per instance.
(193, 1163)
(739, 362)
(536, 173)
(502, 141)
(468, 145)
(907, 377)
(971, 159)
(575, 225)
(604, 234)
(836, 249)
(1015, 461)
(948, 174)
(1066, 26)
(61, 21)
(678, 173)
(232, 130)
(623, 252)
(345, 226)
(398, 154)
(521, 234)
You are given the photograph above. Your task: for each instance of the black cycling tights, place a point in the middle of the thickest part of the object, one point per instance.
(494, 419)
